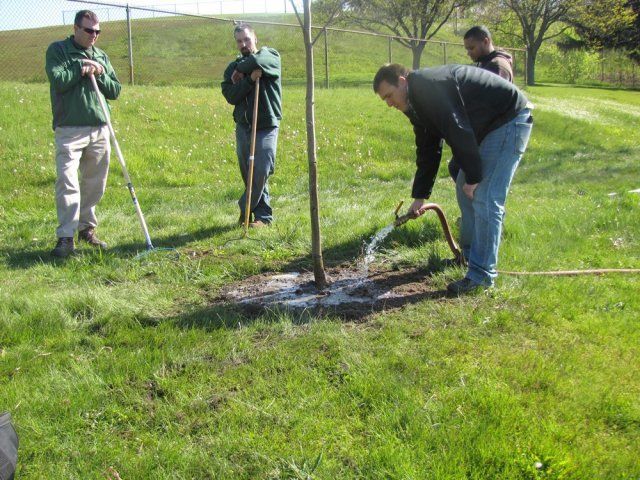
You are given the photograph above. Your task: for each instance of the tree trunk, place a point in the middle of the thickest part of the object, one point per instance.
(416, 50)
(314, 204)
(532, 51)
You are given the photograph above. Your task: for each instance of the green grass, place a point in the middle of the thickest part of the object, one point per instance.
(106, 360)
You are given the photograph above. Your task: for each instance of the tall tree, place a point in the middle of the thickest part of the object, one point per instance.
(537, 20)
(319, 274)
(411, 22)
(609, 24)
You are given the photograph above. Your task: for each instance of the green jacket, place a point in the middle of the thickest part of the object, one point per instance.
(73, 101)
(241, 94)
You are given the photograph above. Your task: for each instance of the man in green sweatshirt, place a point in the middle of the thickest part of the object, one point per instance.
(81, 131)
(238, 89)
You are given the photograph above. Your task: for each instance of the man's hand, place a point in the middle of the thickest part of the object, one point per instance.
(257, 73)
(91, 67)
(236, 76)
(469, 190)
(417, 207)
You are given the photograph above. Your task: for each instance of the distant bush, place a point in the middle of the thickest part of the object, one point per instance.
(571, 66)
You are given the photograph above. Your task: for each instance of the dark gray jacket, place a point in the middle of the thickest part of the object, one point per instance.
(8, 447)
(459, 104)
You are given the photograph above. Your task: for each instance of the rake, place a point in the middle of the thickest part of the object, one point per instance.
(125, 173)
(252, 152)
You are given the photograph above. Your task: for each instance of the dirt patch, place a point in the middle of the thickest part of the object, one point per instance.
(352, 294)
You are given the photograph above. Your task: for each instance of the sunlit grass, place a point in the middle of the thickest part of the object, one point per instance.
(106, 360)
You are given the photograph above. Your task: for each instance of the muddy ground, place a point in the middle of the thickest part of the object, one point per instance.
(352, 294)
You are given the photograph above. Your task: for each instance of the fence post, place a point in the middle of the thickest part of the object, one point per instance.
(130, 45)
(389, 49)
(326, 58)
(444, 53)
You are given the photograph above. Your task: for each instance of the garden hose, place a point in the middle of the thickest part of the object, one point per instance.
(458, 257)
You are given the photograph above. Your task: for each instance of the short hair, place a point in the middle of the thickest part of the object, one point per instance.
(479, 32)
(85, 14)
(243, 26)
(389, 72)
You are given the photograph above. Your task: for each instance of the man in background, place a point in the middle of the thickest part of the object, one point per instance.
(479, 46)
(81, 131)
(238, 87)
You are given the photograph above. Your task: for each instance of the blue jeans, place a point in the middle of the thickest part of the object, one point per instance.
(264, 166)
(482, 217)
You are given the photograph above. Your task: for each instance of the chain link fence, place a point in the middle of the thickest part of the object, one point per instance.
(191, 44)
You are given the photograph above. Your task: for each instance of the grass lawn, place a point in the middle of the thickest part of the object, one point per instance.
(109, 361)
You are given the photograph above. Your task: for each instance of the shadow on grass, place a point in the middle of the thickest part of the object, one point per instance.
(174, 241)
(23, 259)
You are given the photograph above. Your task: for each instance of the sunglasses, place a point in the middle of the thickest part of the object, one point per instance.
(91, 30)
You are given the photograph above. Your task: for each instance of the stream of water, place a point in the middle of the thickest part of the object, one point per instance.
(369, 253)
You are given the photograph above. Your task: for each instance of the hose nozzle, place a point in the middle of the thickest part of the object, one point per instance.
(402, 219)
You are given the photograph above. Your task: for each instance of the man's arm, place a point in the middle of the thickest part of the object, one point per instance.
(440, 103)
(428, 156)
(63, 73)
(266, 59)
(235, 93)
(108, 82)
(448, 110)
(500, 66)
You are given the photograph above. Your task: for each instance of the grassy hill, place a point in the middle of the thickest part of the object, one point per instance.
(195, 52)
(110, 361)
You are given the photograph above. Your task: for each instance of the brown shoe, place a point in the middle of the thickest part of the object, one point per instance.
(89, 235)
(258, 224)
(64, 247)
(241, 219)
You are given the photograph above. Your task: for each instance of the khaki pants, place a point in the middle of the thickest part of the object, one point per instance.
(85, 149)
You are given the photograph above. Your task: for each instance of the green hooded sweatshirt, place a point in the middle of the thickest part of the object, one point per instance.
(241, 94)
(73, 100)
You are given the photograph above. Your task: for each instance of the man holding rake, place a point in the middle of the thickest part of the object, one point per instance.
(255, 68)
(81, 131)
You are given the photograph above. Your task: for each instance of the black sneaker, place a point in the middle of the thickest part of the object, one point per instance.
(464, 286)
(64, 247)
(89, 235)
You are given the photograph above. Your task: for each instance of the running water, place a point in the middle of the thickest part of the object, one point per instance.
(370, 251)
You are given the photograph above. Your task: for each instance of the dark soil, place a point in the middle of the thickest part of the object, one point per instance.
(350, 295)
